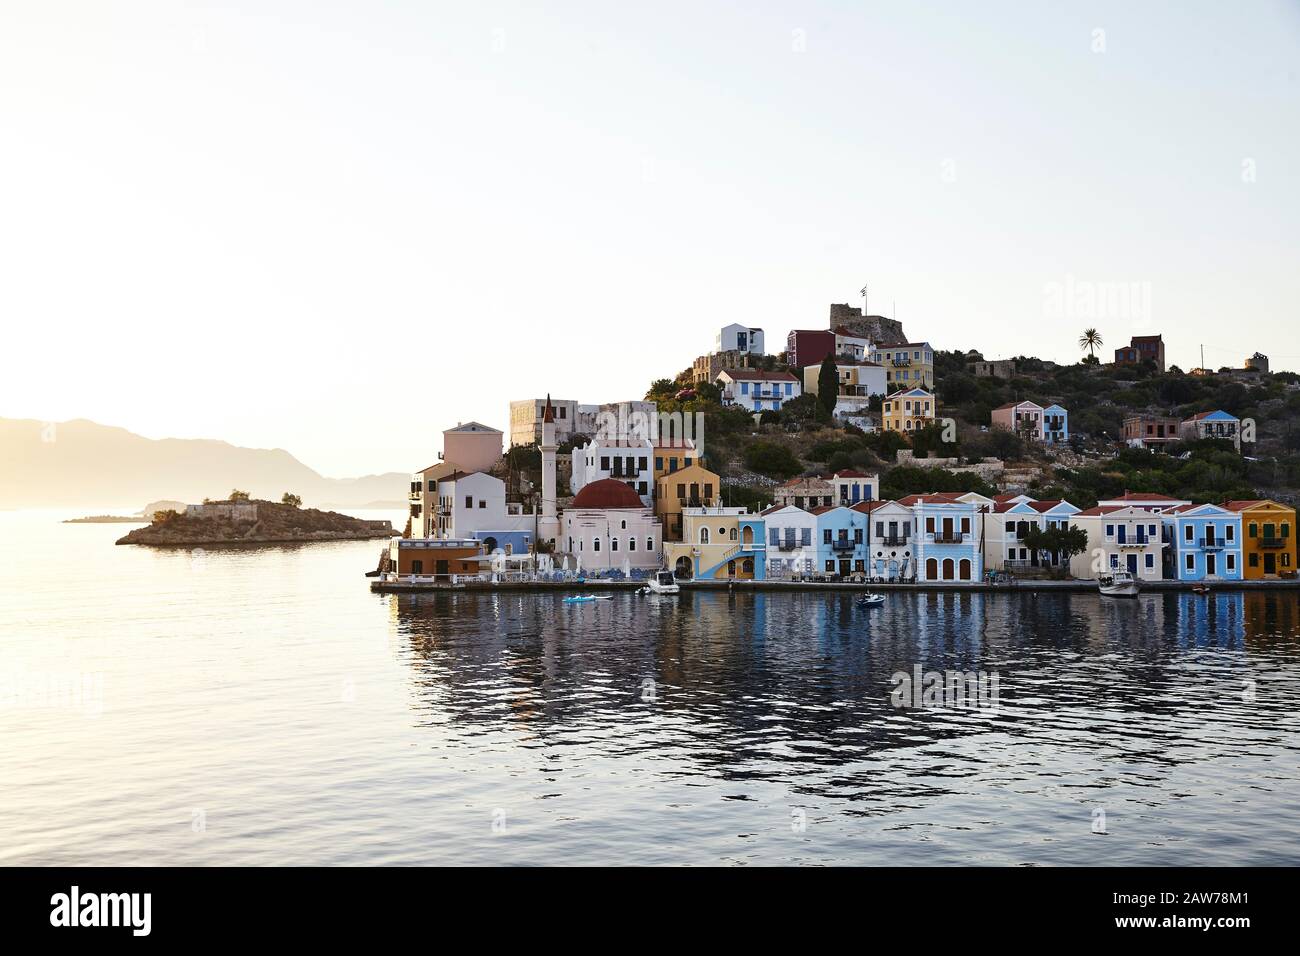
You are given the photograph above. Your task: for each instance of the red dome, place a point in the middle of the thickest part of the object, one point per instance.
(607, 493)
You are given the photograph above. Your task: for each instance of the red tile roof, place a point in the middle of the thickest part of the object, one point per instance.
(606, 493)
(933, 498)
(756, 375)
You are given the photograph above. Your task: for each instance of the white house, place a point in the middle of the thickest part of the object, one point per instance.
(629, 461)
(756, 389)
(791, 541)
(854, 486)
(890, 541)
(739, 338)
(1008, 524)
(1125, 538)
(852, 345)
(472, 505)
(607, 526)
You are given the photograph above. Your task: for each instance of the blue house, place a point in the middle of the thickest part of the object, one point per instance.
(1056, 425)
(1215, 424)
(1203, 543)
(948, 537)
(841, 540)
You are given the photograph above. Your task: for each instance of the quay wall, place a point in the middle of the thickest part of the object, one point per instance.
(408, 587)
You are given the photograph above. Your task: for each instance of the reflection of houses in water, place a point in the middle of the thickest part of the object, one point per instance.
(794, 686)
(1271, 619)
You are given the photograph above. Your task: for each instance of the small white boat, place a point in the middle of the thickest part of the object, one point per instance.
(871, 599)
(579, 598)
(1118, 584)
(664, 582)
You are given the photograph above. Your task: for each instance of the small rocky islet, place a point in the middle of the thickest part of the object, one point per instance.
(253, 522)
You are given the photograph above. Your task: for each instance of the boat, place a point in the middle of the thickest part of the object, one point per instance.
(871, 599)
(579, 598)
(664, 582)
(1118, 584)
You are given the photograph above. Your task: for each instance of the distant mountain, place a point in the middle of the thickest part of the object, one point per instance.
(83, 464)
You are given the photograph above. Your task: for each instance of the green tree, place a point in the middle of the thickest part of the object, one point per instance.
(770, 459)
(292, 500)
(662, 389)
(828, 384)
(1090, 340)
(1061, 543)
(237, 495)
(709, 392)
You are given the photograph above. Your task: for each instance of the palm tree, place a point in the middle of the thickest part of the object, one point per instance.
(1090, 340)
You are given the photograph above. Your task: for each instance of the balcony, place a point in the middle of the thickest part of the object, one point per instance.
(891, 540)
(901, 363)
(1272, 542)
(843, 544)
(1213, 544)
(788, 544)
(697, 502)
(948, 537)
(1137, 543)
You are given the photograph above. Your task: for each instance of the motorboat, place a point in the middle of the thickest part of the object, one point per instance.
(871, 599)
(580, 598)
(663, 582)
(1200, 589)
(1118, 584)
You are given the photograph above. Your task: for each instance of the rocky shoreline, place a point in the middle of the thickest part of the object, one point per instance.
(253, 522)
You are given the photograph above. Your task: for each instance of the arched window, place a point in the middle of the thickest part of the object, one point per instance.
(931, 569)
(595, 544)
(964, 569)
(649, 544)
(704, 536)
(733, 534)
(613, 544)
(623, 524)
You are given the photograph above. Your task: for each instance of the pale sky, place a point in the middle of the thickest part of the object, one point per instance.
(340, 227)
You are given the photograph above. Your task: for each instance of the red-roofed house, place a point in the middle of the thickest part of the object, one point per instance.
(1121, 536)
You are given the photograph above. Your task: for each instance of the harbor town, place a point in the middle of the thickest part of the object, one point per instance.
(713, 476)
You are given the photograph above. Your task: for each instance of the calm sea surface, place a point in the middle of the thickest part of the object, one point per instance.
(261, 706)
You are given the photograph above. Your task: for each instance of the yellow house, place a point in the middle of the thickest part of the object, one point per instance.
(672, 454)
(907, 365)
(908, 410)
(691, 487)
(717, 543)
(1268, 538)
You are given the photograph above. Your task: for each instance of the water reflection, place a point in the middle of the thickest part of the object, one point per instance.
(795, 686)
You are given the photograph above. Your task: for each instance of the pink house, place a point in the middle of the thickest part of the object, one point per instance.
(1019, 417)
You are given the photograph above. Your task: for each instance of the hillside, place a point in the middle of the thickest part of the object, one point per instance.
(84, 464)
(802, 439)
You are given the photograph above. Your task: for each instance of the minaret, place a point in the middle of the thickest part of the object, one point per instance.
(548, 528)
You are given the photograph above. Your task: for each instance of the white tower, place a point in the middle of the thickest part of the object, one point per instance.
(548, 528)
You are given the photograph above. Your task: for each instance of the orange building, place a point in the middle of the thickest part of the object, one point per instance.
(437, 557)
(1268, 533)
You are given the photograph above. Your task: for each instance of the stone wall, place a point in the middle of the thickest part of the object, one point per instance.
(226, 510)
(880, 330)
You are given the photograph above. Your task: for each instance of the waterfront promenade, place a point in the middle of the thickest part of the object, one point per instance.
(407, 586)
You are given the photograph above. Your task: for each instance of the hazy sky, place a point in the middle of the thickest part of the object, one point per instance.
(339, 227)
